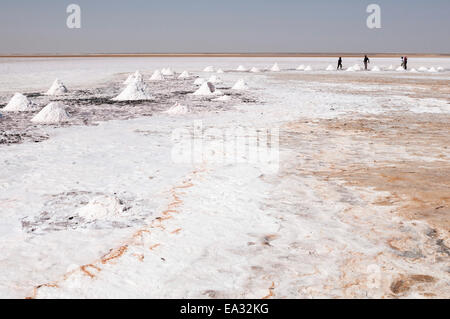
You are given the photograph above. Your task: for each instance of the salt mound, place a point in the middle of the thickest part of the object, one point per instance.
(329, 68)
(167, 72)
(19, 103)
(223, 98)
(400, 68)
(157, 76)
(220, 71)
(301, 68)
(275, 68)
(184, 75)
(136, 76)
(241, 68)
(375, 69)
(135, 91)
(240, 85)
(53, 113)
(199, 81)
(178, 109)
(414, 71)
(440, 69)
(356, 67)
(432, 70)
(57, 88)
(215, 80)
(102, 207)
(391, 67)
(350, 69)
(255, 70)
(209, 69)
(207, 88)
(308, 68)
(423, 69)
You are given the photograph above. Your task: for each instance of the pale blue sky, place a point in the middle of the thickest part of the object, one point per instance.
(146, 26)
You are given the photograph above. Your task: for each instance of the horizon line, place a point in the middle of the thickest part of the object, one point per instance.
(215, 54)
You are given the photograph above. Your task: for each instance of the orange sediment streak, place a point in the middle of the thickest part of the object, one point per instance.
(271, 289)
(114, 254)
(154, 246)
(87, 272)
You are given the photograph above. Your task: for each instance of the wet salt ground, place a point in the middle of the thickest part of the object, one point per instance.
(90, 106)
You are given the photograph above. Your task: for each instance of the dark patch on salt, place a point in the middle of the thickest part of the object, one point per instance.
(60, 213)
(33, 95)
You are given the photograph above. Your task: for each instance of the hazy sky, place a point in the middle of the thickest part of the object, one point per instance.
(138, 26)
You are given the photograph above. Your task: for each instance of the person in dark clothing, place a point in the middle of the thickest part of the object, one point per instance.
(339, 63)
(405, 63)
(366, 60)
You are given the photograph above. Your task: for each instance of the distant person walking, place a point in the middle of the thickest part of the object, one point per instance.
(339, 67)
(366, 61)
(405, 63)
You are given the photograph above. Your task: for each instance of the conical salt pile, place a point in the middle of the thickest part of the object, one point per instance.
(136, 76)
(400, 68)
(57, 88)
(301, 68)
(167, 72)
(255, 70)
(19, 103)
(220, 71)
(350, 69)
(240, 85)
(432, 70)
(53, 113)
(356, 67)
(199, 81)
(423, 69)
(184, 75)
(157, 76)
(207, 88)
(391, 67)
(135, 91)
(241, 68)
(329, 68)
(308, 68)
(102, 207)
(275, 68)
(440, 69)
(209, 69)
(414, 71)
(215, 80)
(375, 69)
(178, 109)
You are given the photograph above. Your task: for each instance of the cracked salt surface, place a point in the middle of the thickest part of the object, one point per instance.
(222, 230)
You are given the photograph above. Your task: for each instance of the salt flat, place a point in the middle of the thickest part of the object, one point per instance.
(358, 206)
